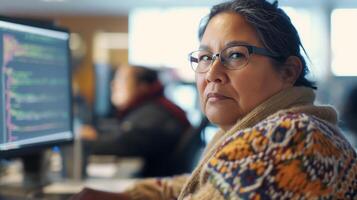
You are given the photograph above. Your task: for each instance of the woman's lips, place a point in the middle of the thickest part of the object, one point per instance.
(215, 97)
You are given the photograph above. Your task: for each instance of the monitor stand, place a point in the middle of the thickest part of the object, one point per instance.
(35, 174)
(34, 178)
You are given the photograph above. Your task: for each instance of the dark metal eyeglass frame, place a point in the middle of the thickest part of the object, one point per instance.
(251, 50)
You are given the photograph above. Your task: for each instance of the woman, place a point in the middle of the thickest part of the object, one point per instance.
(137, 95)
(273, 143)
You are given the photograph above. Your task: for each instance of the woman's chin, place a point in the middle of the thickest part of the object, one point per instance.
(223, 122)
(222, 115)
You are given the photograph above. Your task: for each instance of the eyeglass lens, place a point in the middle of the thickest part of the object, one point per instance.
(231, 57)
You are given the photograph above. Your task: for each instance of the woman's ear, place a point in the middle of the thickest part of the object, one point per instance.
(291, 70)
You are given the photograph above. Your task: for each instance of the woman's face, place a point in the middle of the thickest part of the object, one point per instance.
(228, 95)
(124, 87)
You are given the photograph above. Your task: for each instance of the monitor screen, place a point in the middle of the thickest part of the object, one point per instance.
(185, 95)
(103, 77)
(35, 87)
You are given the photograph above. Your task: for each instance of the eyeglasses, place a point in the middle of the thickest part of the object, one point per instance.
(232, 57)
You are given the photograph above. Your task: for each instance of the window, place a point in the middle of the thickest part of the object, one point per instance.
(164, 37)
(344, 42)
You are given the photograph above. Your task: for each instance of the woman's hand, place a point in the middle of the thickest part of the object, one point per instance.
(91, 194)
(89, 133)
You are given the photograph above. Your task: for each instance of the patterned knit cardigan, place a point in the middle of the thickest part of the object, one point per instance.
(288, 155)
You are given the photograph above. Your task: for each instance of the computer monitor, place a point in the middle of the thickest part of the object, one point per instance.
(35, 87)
(185, 95)
(103, 106)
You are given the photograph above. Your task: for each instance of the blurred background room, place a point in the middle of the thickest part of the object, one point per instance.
(109, 34)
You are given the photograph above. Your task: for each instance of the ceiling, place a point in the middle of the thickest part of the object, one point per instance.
(121, 7)
(88, 7)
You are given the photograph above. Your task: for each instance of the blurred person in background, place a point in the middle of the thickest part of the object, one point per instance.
(149, 125)
(273, 143)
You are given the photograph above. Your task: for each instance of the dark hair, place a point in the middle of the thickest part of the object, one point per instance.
(273, 26)
(146, 75)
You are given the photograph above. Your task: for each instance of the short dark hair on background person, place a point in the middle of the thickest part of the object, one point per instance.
(146, 75)
(274, 29)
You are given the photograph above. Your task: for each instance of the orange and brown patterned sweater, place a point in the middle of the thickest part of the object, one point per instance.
(286, 148)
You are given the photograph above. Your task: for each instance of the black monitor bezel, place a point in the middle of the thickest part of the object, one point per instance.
(34, 148)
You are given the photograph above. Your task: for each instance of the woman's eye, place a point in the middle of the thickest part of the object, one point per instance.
(235, 55)
(204, 58)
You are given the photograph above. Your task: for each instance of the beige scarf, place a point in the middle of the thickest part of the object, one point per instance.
(295, 99)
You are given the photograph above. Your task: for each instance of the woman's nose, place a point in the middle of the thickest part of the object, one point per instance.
(216, 72)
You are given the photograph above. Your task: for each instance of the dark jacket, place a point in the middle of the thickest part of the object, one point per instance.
(150, 129)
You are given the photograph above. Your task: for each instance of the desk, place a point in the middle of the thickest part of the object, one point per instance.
(64, 189)
(109, 185)
(16, 192)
